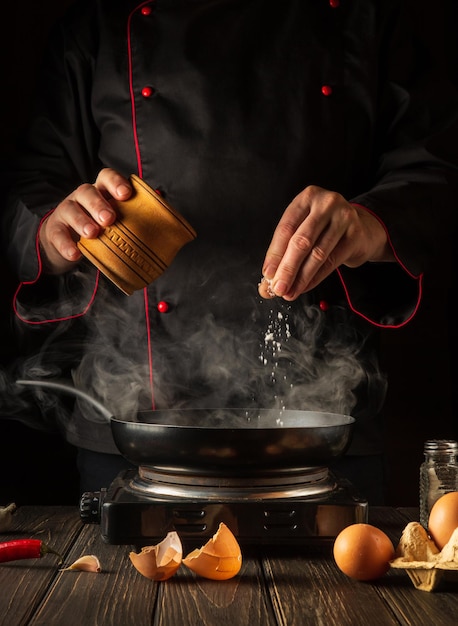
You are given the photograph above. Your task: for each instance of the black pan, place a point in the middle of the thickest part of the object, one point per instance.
(229, 440)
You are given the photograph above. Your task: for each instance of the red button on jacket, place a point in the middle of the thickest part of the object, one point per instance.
(324, 305)
(147, 92)
(162, 306)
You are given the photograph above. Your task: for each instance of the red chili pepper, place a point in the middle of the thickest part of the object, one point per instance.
(24, 549)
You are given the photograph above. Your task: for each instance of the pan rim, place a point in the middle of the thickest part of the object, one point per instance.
(322, 419)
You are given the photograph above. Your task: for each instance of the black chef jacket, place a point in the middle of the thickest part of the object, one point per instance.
(230, 108)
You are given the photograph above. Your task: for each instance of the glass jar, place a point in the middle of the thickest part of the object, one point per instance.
(438, 474)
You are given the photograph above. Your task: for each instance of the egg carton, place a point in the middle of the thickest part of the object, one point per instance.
(425, 564)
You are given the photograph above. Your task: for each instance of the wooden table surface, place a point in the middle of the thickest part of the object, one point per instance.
(277, 586)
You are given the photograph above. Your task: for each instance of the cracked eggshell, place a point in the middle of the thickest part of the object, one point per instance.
(219, 559)
(161, 561)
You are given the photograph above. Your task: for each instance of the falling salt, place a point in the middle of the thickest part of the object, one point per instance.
(276, 337)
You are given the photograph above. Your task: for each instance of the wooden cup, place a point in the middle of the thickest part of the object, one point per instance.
(143, 241)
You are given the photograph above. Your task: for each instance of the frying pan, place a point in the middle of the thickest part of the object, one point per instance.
(236, 441)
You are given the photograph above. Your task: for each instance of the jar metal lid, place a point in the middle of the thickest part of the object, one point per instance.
(441, 445)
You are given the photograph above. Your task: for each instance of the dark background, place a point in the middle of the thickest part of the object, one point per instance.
(39, 468)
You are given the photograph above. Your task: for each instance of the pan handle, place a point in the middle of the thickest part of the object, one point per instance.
(69, 389)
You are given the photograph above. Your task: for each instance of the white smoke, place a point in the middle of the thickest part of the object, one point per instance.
(281, 356)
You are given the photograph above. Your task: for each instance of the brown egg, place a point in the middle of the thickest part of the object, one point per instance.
(219, 559)
(161, 561)
(443, 518)
(363, 552)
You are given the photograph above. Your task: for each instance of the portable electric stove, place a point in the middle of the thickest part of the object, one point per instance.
(309, 505)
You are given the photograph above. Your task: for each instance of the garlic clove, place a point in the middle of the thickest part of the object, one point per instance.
(86, 563)
(6, 516)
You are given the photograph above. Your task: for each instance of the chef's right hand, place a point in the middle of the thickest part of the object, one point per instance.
(83, 213)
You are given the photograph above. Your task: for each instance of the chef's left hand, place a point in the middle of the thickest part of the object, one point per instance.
(318, 232)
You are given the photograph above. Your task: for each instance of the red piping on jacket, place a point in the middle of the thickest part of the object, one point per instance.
(131, 89)
(420, 294)
(32, 282)
(140, 174)
(418, 278)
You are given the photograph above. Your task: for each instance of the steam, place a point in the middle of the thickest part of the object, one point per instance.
(283, 356)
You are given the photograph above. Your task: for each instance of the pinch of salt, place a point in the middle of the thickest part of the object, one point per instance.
(266, 287)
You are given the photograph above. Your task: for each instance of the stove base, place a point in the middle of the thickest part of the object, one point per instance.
(138, 520)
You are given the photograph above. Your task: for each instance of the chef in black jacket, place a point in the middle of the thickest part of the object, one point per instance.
(307, 142)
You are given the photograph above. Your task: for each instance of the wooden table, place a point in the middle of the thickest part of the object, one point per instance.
(276, 586)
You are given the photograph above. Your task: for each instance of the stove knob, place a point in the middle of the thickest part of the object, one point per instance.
(91, 506)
